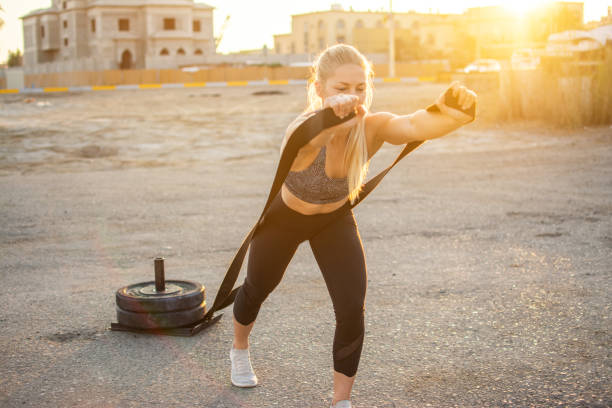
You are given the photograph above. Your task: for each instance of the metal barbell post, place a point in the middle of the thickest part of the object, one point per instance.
(160, 279)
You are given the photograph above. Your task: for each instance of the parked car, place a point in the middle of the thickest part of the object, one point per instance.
(524, 59)
(483, 65)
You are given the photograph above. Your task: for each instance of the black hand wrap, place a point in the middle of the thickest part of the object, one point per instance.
(453, 102)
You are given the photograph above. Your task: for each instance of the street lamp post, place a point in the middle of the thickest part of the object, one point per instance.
(391, 41)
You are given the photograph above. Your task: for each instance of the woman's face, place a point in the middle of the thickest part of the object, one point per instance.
(346, 79)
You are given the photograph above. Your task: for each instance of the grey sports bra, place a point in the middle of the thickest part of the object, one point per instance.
(312, 184)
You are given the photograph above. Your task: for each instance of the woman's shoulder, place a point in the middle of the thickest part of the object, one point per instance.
(298, 121)
(294, 125)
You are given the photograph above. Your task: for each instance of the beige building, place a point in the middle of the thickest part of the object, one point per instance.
(481, 32)
(91, 35)
(368, 31)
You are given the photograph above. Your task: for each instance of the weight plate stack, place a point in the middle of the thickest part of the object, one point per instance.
(161, 320)
(144, 298)
(160, 304)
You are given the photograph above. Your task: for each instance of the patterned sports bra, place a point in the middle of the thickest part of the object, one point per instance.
(312, 184)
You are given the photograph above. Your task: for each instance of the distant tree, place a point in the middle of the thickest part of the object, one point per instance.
(15, 58)
(1, 20)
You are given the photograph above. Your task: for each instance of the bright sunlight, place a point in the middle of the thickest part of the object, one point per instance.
(523, 7)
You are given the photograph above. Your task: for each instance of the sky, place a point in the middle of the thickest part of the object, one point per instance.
(253, 23)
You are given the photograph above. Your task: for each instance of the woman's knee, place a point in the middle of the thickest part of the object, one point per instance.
(248, 302)
(350, 330)
(350, 312)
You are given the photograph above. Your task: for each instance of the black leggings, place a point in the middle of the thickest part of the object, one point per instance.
(337, 247)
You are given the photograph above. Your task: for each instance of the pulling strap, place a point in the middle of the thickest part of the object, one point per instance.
(304, 133)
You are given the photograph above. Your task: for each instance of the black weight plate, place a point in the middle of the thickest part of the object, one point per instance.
(162, 320)
(143, 298)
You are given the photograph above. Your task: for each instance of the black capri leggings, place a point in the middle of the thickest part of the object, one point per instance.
(337, 247)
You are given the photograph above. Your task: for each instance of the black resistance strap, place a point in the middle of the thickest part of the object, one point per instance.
(304, 133)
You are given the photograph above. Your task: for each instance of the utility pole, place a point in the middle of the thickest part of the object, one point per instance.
(391, 41)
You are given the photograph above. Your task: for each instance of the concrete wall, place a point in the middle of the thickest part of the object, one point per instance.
(15, 78)
(12, 78)
(218, 74)
(160, 76)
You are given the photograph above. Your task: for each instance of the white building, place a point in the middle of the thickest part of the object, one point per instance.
(92, 35)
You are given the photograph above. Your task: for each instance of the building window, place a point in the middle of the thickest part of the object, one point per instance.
(124, 24)
(321, 44)
(169, 24)
(164, 51)
(340, 25)
(64, 5)
(306, 41)
(93, 25)
(65, 23)
(321, 25)
(42, 31)
(180, 52)
(196, 26)
(198, 52)
(359, 24)
(65, 42)
(340, 39)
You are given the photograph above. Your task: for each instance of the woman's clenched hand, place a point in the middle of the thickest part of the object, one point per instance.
(343, 105)
(465, 98)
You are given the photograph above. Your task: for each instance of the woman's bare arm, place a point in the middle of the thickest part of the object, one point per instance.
(424, 125)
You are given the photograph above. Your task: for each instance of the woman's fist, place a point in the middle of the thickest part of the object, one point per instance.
(342, 104)
(465, 99)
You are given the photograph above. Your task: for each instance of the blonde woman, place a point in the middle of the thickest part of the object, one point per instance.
(313, 205)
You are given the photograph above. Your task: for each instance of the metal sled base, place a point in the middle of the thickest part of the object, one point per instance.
(184, 331)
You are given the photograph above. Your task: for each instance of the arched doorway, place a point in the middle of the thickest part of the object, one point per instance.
(126, 60)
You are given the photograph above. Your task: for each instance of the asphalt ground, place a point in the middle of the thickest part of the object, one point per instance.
(489, 258)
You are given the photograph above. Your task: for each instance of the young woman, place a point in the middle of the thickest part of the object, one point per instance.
(327, 172)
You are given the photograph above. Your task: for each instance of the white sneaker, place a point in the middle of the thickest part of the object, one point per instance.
(242, 371)
(342, 404)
